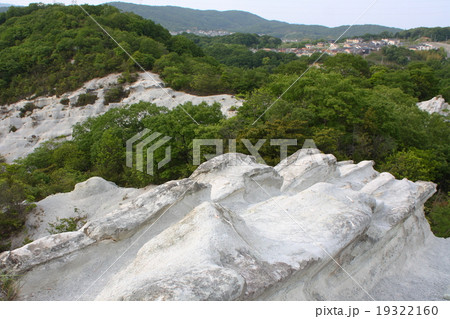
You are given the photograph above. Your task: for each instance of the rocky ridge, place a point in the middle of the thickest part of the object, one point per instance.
(310, 228)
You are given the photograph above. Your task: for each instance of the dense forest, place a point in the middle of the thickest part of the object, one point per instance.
(433, 34)
(55, 49)
(353, 107)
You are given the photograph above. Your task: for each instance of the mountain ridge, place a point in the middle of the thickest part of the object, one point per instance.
(178, 19)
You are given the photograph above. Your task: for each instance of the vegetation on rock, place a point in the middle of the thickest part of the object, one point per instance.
(63, 225)
(8, 286)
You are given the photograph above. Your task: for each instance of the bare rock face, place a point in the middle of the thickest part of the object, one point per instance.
(236, 177)
(43, 250)
(305, 169)
(435, 105)
(90, 200)
(310, 228)
(21, 133)
(124, 221)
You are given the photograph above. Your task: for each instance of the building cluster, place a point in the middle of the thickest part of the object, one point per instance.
(352, 46)
(210, 33)
(423, 47)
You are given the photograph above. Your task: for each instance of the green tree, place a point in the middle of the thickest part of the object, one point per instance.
(108, 155)
(145, 60)
(15, 203)
(424, 79)
(348, 64)
(182, 45)
(413, 164)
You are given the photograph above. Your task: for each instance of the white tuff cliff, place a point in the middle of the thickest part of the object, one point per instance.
(19, 136)
(435, 105)
(310, 228)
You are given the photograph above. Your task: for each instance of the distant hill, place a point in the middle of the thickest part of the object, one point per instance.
(181, 19)
(5, 6)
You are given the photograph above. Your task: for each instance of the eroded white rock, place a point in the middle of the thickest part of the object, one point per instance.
(238, 177)
(239, 230)
(89, 200)
(146, 208)
(304, 168)
(435, 105)
(19, 136)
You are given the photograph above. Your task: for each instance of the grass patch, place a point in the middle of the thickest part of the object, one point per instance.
(9, 287)
(63, 225)
(29, 107)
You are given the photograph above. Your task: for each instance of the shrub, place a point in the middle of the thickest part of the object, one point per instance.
(437, 211)
(66, 224)
(14, 206)
(127, 77)
(115, 94)
(413, 164)
(85, 99)
(64, 101)
(12, 128)
(8, 286)
(29, 107)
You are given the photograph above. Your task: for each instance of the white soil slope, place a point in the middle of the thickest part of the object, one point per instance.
(53, 120)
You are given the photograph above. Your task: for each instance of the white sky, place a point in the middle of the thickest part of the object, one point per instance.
(394, 13)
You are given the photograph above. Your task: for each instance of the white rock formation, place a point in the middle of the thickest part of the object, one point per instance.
(435, 105)
(310, 228)
(19, 136)
(91, 199)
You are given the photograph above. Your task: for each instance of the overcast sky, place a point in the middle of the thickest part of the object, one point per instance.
(394, 13)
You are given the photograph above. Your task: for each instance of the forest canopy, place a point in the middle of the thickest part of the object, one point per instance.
(52, 49)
